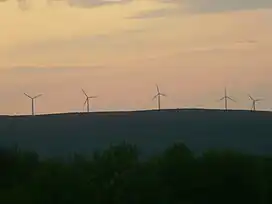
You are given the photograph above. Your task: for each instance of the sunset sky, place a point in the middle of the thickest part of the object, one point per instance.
(119, 50)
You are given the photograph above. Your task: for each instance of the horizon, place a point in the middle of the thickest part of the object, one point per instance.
(138, 111)
(119, 50)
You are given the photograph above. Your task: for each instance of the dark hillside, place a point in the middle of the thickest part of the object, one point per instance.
(151, 131)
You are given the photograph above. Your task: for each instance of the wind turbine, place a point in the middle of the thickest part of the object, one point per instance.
(254, 101)
(87, 101)
(32, 101)
(226, 98)
(158, 96)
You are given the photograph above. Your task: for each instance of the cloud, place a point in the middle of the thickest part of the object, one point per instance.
(92, 3)
(239, 45)
(47, 69)
(208, 6)
(26, 4)
(49, 24)
(203, 6)
(247, 41)
(159, 13)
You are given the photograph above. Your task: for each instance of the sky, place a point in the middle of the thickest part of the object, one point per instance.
(120, 49)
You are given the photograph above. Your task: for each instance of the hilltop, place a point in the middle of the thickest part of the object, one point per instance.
(151, 131)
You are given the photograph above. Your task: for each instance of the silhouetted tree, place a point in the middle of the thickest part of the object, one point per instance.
(117, 176)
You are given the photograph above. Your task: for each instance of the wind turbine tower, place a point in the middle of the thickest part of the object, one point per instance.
(226, 98)
(254, 101)
(32, 102)
(87, 101)
(158, 97)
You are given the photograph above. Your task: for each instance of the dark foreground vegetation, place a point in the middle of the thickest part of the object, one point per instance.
(116, 175)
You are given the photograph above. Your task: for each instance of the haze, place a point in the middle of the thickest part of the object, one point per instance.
(119, 50)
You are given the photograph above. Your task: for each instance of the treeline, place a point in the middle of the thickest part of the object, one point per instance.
(117, 176)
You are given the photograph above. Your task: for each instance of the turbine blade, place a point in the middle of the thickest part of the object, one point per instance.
(158, 90)
(221, 98)
(85, 102)
(93, 97)
(28, 96)
(231, 99)
(250, 97)
(84, 93)
(257, 100)
(37, 96)
(155, 97)
(163, 94)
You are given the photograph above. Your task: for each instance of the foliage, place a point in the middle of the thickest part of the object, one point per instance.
(117, 176)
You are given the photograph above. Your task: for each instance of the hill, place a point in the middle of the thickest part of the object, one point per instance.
(151, 131)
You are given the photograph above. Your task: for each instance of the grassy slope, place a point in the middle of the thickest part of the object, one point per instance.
(152, 131)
